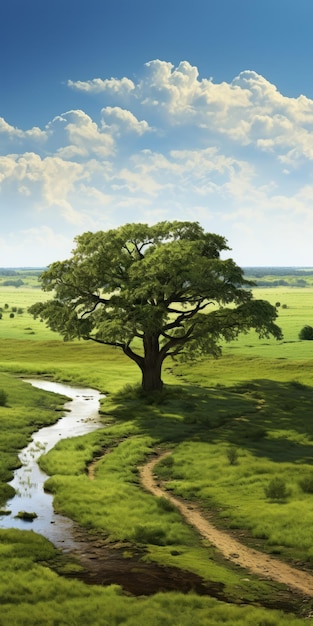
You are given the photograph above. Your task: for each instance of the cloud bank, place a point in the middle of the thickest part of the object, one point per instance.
(171, 145)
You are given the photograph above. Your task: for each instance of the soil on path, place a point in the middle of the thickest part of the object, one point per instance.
(257, 562)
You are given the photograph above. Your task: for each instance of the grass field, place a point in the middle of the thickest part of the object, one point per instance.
(256, 400)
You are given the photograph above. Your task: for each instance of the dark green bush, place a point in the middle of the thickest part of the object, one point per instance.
(232, 455)
(165, 505)
(306, 484)
(276, 489)
(26, 516)
(3, 397)
(149, 534)
(306, 333)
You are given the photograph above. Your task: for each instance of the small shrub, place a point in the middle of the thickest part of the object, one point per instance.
(232, 455)
(284, 306)
(276, 489)
(168, 461)
(26, 516)
(306, 333)
(165, 505)
(3, 397)
(11, 315)
(255, 433)
(306, 484)
(149, 534)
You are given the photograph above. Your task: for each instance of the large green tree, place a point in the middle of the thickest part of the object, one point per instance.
(154, 292)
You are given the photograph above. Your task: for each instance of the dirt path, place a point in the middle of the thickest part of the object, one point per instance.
(257, 562)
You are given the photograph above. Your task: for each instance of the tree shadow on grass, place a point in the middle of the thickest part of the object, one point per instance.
(271, 419)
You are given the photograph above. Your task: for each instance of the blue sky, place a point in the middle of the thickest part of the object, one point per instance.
(148, 110)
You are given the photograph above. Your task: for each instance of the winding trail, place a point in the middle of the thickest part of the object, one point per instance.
(257, 562)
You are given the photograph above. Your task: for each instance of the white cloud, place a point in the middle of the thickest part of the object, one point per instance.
(237, 156)
(16, 133)
(41, 245)
(98, 85)
(120, 120)
(83, 136)
(249, 110)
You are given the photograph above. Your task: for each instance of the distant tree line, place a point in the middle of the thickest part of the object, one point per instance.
(7, 272)
(13, 282)
(260, 272)
(300, 282)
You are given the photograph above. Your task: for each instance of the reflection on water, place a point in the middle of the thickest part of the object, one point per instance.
(82, 417)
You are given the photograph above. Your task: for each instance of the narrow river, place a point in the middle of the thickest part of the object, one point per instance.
(82, 417)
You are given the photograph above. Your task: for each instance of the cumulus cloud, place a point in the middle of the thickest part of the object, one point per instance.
(169, 144)
(121, 86)
(81, 136)
(16, 133)
(249, 110)
(121, 120)
(48, 181)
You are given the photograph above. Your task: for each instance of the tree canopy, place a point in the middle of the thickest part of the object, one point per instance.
(154, 292)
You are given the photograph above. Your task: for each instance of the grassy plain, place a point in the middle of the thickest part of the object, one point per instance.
(256, 399)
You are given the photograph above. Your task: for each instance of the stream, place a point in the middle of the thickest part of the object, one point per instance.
(102, 564)
(82, 417)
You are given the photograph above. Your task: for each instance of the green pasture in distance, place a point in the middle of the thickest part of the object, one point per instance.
(80, 362)
(294, 312)
(22, 325)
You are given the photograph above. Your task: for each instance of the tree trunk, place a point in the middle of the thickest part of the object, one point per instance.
(151, 366)
(151, 379)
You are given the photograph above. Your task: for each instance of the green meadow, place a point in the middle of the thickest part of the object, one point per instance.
(240, 432)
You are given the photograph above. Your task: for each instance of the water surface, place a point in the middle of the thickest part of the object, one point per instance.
(82, 417)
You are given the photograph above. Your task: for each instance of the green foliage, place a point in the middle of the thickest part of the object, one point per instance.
(27, 516)
(306, 333)
(13, 282)
(276, 489)
(306, 483)
(3, 397)
(149, 533)
(232, 455)
(145, 289)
